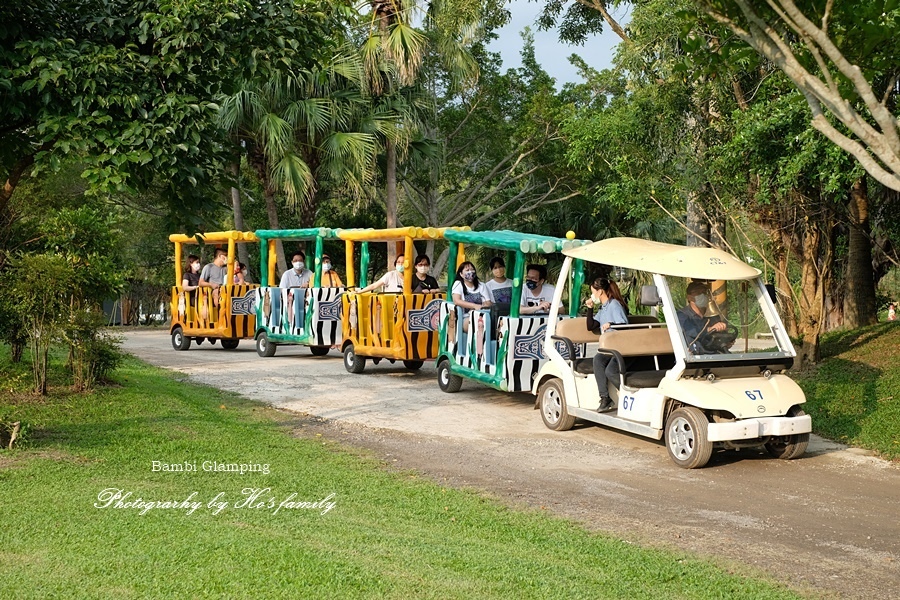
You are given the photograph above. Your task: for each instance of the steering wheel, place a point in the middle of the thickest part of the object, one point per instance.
(719, 342)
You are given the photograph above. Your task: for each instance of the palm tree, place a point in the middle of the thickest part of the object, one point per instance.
(309, 130)
(394, 52)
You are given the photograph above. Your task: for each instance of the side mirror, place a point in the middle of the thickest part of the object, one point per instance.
(649, 295)
(772, 293)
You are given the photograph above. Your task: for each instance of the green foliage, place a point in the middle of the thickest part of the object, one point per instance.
(390, 534)
(94, 351)
(129, 86)
(41, 286)
(854, 394)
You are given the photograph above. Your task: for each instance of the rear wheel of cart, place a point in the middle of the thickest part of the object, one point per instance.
(264, 347)
(447, 381)
(789, 447)
(230, 343)
(179, 340)
(413, 365)
(319, 350)
(352, 362)
(553, 406)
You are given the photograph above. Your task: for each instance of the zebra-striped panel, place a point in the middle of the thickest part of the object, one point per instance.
(325, 315)
(474, 349)
(282, 311)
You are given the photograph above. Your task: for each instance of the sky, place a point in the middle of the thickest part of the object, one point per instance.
(552, 54)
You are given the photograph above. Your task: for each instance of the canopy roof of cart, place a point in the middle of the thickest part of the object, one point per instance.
(214, 237)
(514, 240)
(394, 235)
(665, 259)
(310, 233)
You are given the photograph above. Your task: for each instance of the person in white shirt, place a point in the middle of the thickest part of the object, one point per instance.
(392, 281)
(299, 276)
(537, 297)
(468, 292)
(499, 286)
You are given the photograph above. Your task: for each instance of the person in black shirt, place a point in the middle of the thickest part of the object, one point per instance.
(695, 324)
(422, 282)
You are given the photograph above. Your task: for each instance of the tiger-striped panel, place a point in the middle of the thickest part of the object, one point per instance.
(227, 312)
(402, 326)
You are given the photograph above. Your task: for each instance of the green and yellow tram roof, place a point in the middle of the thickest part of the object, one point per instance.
(395, 234)
(214, 237)
(309, 233)
(529, 243)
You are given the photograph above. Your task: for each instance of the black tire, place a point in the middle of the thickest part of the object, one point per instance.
(179, 340)
(789, 447)
(447, 381)
(552, 398)
(413, 365)
(230, 343)
(686, 438)
(319, 350)
(264, 347)
(352, 361)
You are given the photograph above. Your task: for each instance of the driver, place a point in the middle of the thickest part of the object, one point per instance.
(694, 322)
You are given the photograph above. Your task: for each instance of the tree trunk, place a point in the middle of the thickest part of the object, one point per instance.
(390, 199)
(243, 252)
(812, 291)
(272, 212)
(783, 287)
(697, 223)
(859, 300)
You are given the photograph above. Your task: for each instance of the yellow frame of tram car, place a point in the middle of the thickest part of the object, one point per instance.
(395, 326)
(230, 318)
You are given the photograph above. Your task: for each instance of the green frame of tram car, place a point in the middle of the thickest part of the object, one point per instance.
(504, 350)
(296, 316)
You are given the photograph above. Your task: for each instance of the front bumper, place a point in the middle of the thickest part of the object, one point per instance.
(747, 429)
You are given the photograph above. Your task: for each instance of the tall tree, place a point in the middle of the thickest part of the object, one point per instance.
(128, 87)
(844, 59)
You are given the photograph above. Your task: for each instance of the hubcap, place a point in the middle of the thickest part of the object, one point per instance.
(552, 404)
(179, 338)
(445, 375)
(681, 438)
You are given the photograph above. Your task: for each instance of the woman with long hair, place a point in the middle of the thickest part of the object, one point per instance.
(612, 312)
(469, 293)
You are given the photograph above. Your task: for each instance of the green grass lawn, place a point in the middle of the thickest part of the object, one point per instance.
(853, 394)
(389, 535)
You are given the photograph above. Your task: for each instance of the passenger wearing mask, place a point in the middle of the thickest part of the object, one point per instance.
(537, 297)
(468, 292)
(330, 278)
(392, 281)
(190, 281)
(298, 276)
(606, 294)
(422, 282)
(499, 286)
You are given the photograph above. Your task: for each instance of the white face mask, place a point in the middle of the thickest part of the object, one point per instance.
(701, 300)
(400, 268)
(326, 267)
(298, 265)
(195, 267)
(423, 269)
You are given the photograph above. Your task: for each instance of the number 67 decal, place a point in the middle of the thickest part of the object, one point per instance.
(754, 394)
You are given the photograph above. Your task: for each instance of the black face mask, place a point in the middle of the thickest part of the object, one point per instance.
(531, 284)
